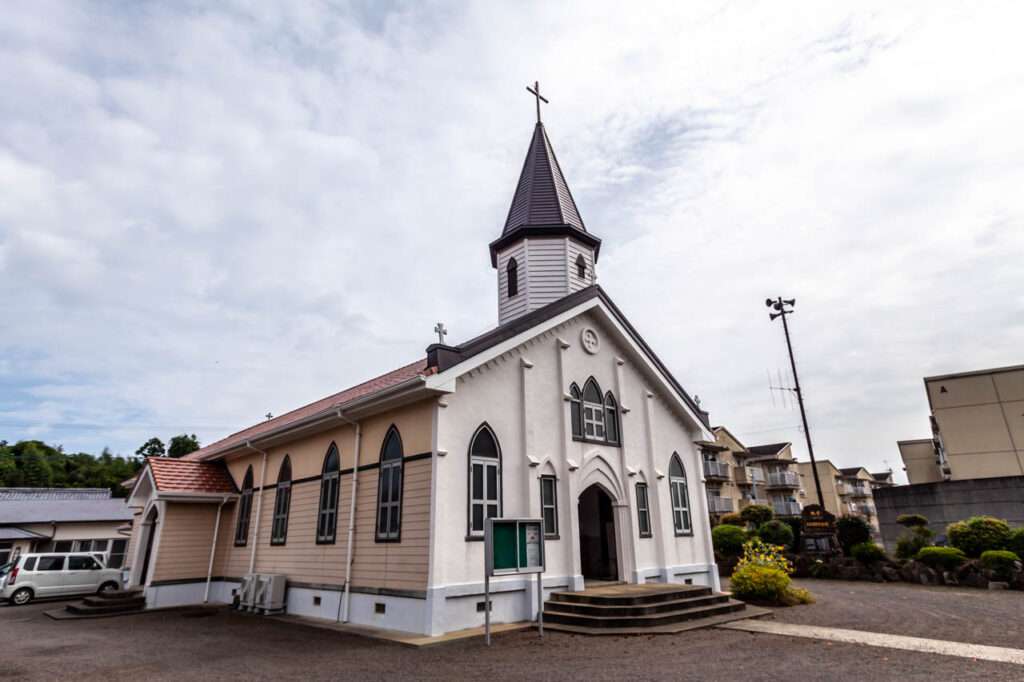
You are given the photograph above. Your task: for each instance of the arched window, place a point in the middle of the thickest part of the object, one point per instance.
(593, 411)
(611, 418)
(576, 411)
(484, 479)
(327, 518)
(244, 510)
(581, 266)
(512, 272)
(389, 487)
(680, 496)
(282, 503)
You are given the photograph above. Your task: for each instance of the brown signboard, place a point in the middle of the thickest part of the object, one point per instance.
(816, 521)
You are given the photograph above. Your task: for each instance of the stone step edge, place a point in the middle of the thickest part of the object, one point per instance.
(666, 617)
(669, 629)
(561, 606)
(654, 597)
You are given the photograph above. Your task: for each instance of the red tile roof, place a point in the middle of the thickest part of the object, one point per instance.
(185, 476)
(366, 388)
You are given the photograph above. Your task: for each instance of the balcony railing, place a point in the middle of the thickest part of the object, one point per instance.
(786, 508)
(719, 505)
(748, 475)
(783, 479)
(868, 509)
(714, 469)
(858, 490)
(747, 502)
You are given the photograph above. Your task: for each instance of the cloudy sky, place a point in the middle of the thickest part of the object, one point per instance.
(208, 214)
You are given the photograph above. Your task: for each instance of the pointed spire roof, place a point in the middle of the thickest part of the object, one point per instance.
(542, 196)
(542, 204)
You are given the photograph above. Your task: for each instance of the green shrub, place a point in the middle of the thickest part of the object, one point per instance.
(794, 525)
(731, 520)
(759, 582)
(776, 532)
(867, 553)
(978, 534)
(943, 558)
(797, 595)
(1015, 542)
(1000, 561)
(757, 514)
(912, 541)
(758, 553)
(912, 520)
(819, 569)
(851, 530)
(728, 540)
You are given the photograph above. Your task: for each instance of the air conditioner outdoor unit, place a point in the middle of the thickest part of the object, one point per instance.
(271, 593)
(247, 591)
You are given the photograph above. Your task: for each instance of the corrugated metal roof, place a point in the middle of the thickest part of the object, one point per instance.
(44, 511)
(542, 197)
(188, 476)
(7, 494)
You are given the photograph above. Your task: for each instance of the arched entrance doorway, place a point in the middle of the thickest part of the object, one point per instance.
(598, 558)
(149, 531)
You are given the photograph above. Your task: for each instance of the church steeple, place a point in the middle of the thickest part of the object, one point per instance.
(544, 252)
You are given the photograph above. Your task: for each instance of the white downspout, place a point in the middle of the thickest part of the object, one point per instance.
(213, 550)
(344, 604)
(259, 505)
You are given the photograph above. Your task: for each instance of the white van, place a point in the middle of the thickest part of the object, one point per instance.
(53, 575)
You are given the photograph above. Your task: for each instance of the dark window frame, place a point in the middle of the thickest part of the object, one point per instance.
(282, 504)
(581, 266)
(327, 508)
(512, 278)
(485, 463)
(612, 426)
(549, 533)
(244, 510)
(643, 510)
(392, 507)
(578, 410)
(679, 496)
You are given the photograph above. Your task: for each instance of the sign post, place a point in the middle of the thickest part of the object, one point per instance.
(817, 530)
(513, 546)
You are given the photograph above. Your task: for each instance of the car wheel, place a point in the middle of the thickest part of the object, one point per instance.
(21, 597)
(107, 587)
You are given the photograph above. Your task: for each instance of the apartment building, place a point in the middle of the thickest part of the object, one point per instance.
(977, 428)
(845, 491)
(737, 476)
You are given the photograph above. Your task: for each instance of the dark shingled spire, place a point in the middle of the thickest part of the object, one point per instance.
(542, 204)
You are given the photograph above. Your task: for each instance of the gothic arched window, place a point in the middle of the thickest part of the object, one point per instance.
(680, 496)
(327, 518)
(593, 411)
(512, 272)
(576, 411)
(484, 479)
(581, 266)
(244, 510)
(611, 418)
(282, 503)
(389, 487)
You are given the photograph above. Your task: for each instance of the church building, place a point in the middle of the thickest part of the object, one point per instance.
(372, 501)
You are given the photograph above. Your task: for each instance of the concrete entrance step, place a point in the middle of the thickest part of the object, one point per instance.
(626, 595)
(668, 629)
(644, 609)
(643, 622)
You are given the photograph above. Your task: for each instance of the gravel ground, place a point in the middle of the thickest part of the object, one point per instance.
(222, 644)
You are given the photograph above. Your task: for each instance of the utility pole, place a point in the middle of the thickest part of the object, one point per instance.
(780, 305)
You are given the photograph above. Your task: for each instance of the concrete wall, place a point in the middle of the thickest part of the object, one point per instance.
(948, 501)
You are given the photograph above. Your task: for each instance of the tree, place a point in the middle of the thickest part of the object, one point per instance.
(757, 514)
(182, 445)
(35, 470)
(154, 447)
(852, 530)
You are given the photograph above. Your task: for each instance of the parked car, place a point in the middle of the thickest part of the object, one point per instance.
(53, 575)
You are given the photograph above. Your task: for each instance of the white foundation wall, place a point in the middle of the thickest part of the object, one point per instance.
(522, 397)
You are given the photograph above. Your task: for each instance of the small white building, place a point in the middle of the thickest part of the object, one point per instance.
(372, 501)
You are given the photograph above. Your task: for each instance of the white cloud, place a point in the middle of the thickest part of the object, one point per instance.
(206, 214)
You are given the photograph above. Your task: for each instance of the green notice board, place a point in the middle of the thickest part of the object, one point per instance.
(514, 546)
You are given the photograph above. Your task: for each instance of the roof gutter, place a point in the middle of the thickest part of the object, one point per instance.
(259, 505)
(344, 603)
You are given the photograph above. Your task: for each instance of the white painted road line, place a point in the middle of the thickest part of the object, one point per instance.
(932, 646)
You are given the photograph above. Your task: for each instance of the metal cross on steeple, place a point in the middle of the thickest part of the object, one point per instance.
(441, 331)
(535, 91)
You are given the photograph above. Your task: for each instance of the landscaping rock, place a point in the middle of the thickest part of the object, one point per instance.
(949, 578)
(974, 580)
(997, 585)
(890, 574)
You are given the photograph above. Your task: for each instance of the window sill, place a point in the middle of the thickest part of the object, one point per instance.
(279, 543)
(686, 534)
(646, 536)
(398, 539)
(474, 538)
(552, 537)
(325, 542)
(594, 441)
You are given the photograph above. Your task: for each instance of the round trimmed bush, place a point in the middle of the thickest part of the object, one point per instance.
(1000, 561)
(978, 534)
(759, 582)
(757, 514)
(728, 540)
(1015, 542)
(776, 533)
(867, 553)
(912, 520)
(732, 519)
(943, 558)
(852, 530)
(909, 544)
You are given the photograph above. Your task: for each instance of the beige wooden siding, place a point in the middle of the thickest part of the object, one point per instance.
(133, 539)
(185, 535)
